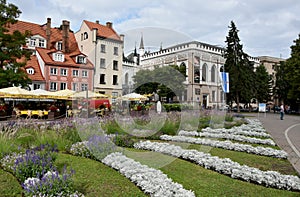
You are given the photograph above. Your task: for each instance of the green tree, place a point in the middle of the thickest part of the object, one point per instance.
(11, 66)
(167, 80)
(240, 69)
(292, 72)
(262, 85)
(281, 87)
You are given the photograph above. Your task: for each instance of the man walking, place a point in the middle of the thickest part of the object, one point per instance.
(281, 111)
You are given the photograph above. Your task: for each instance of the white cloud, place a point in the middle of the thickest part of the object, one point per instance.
(266, 27)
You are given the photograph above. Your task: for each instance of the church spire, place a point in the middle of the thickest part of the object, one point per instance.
(142, 48)
(142, 42)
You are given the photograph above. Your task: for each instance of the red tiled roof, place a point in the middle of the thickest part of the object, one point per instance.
(36, 29)
(46, 54)
(103, 31)
(70, 61)
(33, 63)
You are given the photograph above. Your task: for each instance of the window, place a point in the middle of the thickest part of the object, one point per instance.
(115, 79)
(213, 74)
(204, 68)
(36, 86)
(116, 51)
(53, 86)
(102, 63)
(197, 91)
(30, 71)
(84, 73)
(75, 73)
(63, 72)
(84, 86)
(63, 86)
(59, 57)
(74, 87)
(59, 46)
(53, 71)
(115, 65)
(102, 48)
(196, 75)
(213, 96)
(85, 35)
(32, 42)
(126, 79)
(102, 79)
(114, 97)
(42, 43)
(81, 60)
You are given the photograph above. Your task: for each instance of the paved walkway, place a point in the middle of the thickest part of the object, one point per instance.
(286, 133)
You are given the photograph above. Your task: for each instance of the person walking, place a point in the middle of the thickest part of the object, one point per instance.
(281, 111)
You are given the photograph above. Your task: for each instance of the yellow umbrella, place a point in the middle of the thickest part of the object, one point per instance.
(62, 94)
(134, 97)
(15, 92)
(89, 94)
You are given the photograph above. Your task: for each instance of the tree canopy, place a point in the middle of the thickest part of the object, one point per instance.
(12, 57)
(240, 69)
(167, 81)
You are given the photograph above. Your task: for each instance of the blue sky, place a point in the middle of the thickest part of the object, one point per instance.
(266, 27)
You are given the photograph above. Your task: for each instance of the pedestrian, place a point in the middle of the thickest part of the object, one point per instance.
(281, 111)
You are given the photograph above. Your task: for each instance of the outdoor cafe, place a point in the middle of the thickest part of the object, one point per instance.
(16, 102)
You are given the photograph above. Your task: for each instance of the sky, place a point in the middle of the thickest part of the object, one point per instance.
(266, 27)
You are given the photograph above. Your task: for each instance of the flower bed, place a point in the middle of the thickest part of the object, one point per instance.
(259, 150)
(152, 181)
(226, 166)
(223, 135)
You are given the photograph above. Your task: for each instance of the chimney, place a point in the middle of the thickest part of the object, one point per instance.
(97, 21)
(122, 37)
(109, 24)
(65, 36)
(48, 32)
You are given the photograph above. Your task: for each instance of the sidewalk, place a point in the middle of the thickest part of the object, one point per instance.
(286, 134)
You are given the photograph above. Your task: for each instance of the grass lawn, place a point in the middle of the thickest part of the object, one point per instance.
(93, 178)
(202, 181)
(9, 186)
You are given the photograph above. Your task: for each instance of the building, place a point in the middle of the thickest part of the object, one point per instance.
(56, 62)
(203, 63)
(270, 63)
(104, 47)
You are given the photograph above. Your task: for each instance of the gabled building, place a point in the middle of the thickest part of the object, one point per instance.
(104, 47)
(56, 62)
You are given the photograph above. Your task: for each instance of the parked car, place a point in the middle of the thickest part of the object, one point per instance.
(276, 108)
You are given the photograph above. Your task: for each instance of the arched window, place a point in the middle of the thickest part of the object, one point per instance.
(182, 68)
(213, 73)
(85, 35)
(204, 71)
(196, 75)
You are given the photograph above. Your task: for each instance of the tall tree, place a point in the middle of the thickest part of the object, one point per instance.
(12, 57)
(240, 69)
(292, 72)
(282, 86)
(262, 85)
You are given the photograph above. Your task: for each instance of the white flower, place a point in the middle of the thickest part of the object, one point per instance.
(152, 181)
(226, 166)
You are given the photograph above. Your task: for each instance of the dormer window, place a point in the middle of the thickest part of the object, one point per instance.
(30, 71)
(59, 46)
(58, 57)
(32, 42)
(81, 60)
(42, 43)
